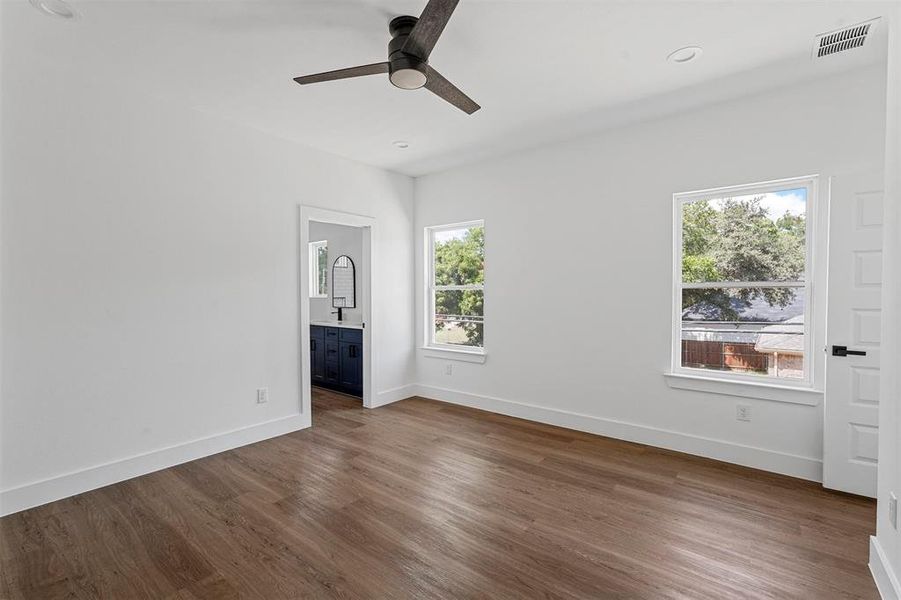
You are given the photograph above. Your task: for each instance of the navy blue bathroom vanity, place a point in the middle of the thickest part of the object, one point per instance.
(336, 358)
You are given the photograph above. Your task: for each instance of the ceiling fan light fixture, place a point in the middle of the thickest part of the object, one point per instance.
(408, 79)
(412, 40)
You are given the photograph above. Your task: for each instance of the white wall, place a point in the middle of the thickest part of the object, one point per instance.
(578, 266)
(150, 277)
(342, 240)
(885, 556)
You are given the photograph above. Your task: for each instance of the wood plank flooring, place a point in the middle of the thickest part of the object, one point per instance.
(421, 499)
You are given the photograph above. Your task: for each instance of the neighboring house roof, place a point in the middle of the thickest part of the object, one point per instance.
(769, 328)
(787, 337)
(757, 310)
(712, 335)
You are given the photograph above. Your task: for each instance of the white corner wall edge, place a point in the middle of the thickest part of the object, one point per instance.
(747, 456)
(394, 394)
(886, 582)
(62, 486)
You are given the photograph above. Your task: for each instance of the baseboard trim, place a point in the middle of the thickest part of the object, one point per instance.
(748, 456)
(393, 395)
(62, 486)
(883, 575)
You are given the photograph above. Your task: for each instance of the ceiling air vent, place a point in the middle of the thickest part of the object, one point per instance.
(843, 39)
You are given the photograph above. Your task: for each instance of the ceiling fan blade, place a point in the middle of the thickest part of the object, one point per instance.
(373, 69)
(438, 85)
(428, 29)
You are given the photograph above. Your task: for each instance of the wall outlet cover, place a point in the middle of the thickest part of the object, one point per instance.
(262, 395)
(743, 412)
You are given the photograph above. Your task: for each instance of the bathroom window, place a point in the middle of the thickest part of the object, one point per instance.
(319, 269)
(741, 274)
(456, 286)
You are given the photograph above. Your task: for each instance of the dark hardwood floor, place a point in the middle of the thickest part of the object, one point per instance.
(421, 499)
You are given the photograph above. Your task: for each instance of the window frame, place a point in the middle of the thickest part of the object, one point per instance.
(429, 342)
(810, 183)
(314, 268)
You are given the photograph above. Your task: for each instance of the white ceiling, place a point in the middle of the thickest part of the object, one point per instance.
(542, 70)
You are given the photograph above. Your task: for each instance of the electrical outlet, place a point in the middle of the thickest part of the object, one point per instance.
(262, 395)
(893, 509)
(743, 412)
(449, 369)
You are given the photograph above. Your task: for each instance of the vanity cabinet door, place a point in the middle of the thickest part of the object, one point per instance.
(332, 373)
(317, 359)
(331, 351)
(351, 366)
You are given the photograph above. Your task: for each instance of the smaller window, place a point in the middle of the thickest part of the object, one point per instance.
(319, 269)
(456, 286)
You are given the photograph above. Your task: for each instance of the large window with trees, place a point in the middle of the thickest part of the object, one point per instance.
(742, 297)
(456, 286)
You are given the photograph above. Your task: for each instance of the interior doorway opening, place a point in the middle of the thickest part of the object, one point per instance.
(336, 330)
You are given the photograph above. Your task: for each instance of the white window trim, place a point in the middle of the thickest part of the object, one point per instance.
(744, 389)
(453, 354)
(433, 349)
(807, 391)
(314, 268)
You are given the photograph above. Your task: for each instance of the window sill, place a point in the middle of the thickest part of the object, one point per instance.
(449, 354)
(745, 389)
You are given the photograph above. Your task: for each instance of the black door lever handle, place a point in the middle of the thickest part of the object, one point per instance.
(843, 351)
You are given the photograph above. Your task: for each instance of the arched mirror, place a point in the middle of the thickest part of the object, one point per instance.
(344, 292)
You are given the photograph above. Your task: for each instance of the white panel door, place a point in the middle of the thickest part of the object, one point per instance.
(850, 433)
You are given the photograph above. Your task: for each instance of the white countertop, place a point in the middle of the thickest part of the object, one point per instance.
(342, 324)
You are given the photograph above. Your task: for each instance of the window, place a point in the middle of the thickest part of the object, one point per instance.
(742, 298)
(456, 280)
(319, 269)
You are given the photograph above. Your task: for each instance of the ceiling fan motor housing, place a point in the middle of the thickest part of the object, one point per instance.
(405, 70)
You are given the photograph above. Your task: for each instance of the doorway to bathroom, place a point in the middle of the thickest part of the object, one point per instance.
(336, 329)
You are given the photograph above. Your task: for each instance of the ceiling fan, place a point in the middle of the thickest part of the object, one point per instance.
(407, 66)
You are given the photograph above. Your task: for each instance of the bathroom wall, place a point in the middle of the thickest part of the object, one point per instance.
(342, 240)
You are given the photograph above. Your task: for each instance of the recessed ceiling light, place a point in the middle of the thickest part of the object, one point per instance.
(55, 8)
(403, 145)
(684, 55)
